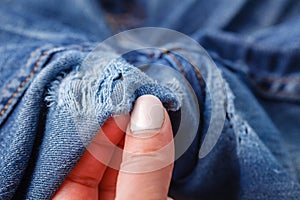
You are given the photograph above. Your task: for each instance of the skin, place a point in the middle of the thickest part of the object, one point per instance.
(92, 179)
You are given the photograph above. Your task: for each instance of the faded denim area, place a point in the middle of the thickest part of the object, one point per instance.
(48, 99)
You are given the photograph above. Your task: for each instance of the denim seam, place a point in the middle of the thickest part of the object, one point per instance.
(281, 79)
(227, 62)
(268, 79)
(196, 70)
(37, 64)
(283, 83)
(192, 62)
(176, 61)
(26, 64)
(277, 92)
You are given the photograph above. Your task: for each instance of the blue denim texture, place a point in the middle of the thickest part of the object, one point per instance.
(255, 45)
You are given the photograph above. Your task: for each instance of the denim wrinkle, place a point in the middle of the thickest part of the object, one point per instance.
(52, 102)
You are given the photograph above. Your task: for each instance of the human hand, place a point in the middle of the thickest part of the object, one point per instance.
(142, 170)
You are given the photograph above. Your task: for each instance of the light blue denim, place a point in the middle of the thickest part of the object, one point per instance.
(45, 93)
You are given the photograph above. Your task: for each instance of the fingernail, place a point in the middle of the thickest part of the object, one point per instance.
(147, 115)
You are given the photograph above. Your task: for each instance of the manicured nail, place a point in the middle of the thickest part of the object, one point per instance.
(147, 115)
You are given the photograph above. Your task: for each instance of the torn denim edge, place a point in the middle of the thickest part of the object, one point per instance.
(108, 88)
(244, 133)
(247, 138)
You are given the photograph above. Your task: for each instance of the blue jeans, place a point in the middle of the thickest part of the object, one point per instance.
(43, 88)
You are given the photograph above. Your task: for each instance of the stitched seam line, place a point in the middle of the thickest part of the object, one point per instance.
(35, 69)
(28, 78)
(177, 63)
(18, 74)
(196, 70)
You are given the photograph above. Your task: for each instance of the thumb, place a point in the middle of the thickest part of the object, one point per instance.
(148, 154)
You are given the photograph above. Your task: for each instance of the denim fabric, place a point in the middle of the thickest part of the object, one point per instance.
(47, 99)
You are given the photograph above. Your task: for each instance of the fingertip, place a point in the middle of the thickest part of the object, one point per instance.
(148, 152)
(148, 146)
